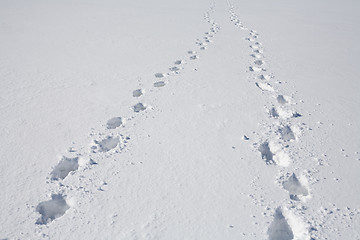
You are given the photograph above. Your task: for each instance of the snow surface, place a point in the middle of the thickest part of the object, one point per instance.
(179, 119)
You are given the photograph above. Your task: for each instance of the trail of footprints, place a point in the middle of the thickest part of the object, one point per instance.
(114, 142)
(274, 151)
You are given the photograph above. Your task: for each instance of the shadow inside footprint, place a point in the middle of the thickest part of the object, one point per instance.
(294, 187)
(64, 167)
(52, 209)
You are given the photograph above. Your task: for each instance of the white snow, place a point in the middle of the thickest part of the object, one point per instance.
(179, 119)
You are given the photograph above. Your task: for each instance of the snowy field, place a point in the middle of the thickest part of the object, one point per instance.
(165, 119)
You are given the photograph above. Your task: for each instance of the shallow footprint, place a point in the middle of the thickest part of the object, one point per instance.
(259, 62)
(138, 92)
(160, 75)
(114, 122)
(178, 62)
(265, 86)
(194, 57)
(108, 143)
(255, 69)
(139, 107)
(159, 84)
(264, 77)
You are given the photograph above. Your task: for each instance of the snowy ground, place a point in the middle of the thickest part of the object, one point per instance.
(179, 120)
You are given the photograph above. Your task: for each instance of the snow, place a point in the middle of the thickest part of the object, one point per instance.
(179, 120)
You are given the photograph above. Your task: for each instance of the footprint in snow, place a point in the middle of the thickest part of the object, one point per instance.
(114, 122)
(259, 62)
(178, 62)
(64, 167)
(286, 133)
(108, 143)
(191, 52)
(203, 48)
(160, 75)
(265, 86)
(52, 209)
(264, 77)
(174, 69)
(139, 107)
(138, 92)
(194, 57)
(282, 99)
(258, 51)
(159, 84)
(266, 154)
(255, 47)
(256, 69)
(256, 56)
(279, 229)
(295, 188)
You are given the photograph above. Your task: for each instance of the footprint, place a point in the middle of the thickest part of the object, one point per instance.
(286, 133)
(256, 56)
(159, 84)
(191, 52)
(178, 62)
(273, 153)
(283, 113)
(108, 143)
(139, 107)
(266, 154)
(256, 69)
(114, 122)
(250, 39)
(64, 167)
(264, 77)
(265, 86)
(259, 62)
(294, 187)
(194, 57)
(279, 229)
(160, 75)
(282, 99)
(273, 113)
(255, 47)
(203, 48)
(138, 92)
(174, 69)
(258, 51)
(52, 209)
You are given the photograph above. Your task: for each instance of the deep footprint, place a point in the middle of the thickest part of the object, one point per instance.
(52, 209)
(294, 187)
(286, 133)
(279, 229)
(138, 93)
(64, 167)
(266, 154)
